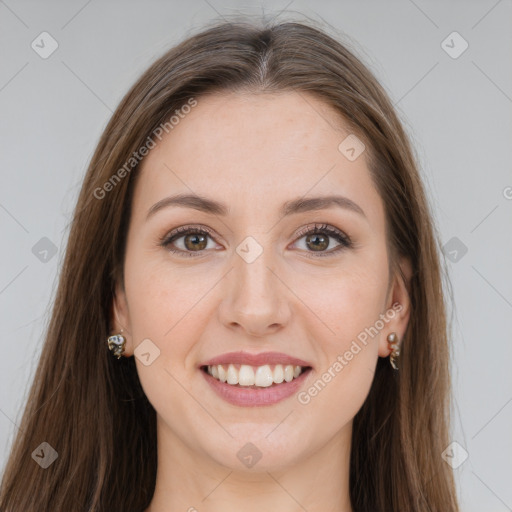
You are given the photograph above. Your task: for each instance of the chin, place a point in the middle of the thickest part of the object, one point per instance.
(256, 453)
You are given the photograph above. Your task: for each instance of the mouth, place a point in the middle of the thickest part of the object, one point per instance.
(254, 377)
(248, 380)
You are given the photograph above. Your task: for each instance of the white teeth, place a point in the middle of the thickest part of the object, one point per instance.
(260, 376)
(288, 373)
(278, 374)
(264, 377)
(222, 373)
(245, 375)
(232, 375)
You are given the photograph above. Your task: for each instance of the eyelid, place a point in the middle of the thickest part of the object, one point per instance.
(186, 229)
(323, 228)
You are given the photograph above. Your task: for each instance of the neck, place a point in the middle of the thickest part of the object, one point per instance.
(191, 481)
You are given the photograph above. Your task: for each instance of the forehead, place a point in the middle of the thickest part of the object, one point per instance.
(256, 149)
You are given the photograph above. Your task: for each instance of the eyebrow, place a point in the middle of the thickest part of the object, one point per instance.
(299, 205)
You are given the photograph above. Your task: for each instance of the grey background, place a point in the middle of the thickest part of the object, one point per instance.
(456, 110)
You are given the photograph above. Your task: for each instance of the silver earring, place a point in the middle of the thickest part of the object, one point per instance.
(395, 350)
(116, 344)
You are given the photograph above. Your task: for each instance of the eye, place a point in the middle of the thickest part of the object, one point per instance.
(194, 240)
(318, 238)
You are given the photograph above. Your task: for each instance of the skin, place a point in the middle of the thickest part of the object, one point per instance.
(254, 152)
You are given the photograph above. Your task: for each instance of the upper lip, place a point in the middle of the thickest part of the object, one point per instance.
(256, 359)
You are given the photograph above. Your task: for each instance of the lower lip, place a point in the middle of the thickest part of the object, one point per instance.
(251, 397)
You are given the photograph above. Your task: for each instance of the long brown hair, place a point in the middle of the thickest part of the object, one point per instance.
(90, 407)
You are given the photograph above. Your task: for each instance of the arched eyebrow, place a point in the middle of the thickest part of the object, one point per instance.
(299, 205)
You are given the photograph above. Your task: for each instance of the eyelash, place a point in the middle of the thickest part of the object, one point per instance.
(344, 240)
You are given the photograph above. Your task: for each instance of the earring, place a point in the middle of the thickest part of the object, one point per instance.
(395, 349)
(116, 344)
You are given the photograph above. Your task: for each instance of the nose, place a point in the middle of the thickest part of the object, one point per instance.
(254, 297)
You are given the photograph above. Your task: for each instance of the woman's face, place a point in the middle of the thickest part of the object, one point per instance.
(256, 282)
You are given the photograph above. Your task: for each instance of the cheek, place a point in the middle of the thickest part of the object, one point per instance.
(350, 303)
(170, 306)
(166, 308)
(162, 297)
(347, 301)
(350, 306)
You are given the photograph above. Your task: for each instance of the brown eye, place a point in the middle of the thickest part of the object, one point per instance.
(317, 241)
(195, 242)
(187, 241)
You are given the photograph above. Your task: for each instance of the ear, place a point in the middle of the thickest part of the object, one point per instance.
(120, 318)
(398, 307)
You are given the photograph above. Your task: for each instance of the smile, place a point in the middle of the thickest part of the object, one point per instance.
(259, 376)
(291, 379)
(246, 379)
